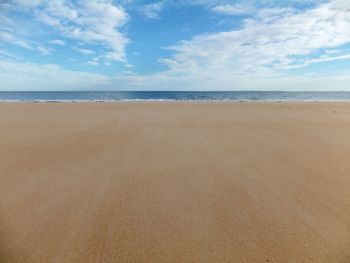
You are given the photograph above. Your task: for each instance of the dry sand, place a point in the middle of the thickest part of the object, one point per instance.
(175, 182)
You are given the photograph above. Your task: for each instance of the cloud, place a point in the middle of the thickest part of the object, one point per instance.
(21, 43)
(179, 82)
(9, 38)
(4, 54)
(26, 3)
(152, 10)
(341, 4)
(234, 10)
(57, 42)
(85, 51)
(261, 52)
(47, 77)
(44, 50)
(92, 62)
(264, 46)
(31, 45)
(99, 22)
(54, 77)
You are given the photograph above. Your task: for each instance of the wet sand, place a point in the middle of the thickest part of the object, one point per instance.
(175, 182)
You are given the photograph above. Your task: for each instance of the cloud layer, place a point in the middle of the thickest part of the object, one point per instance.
(276, 40)
(91, 22)
(28, 76)
(263, 45)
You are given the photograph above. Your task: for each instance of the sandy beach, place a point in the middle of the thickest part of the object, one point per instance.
(175, 182)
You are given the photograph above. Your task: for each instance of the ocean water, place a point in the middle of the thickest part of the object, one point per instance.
(110, 96)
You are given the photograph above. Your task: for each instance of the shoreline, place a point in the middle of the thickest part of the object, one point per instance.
(168, 101)
(170, 96)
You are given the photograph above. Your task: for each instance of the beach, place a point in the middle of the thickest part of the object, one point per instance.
(175, 182)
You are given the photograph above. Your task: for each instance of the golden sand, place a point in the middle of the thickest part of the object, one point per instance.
(175, 182)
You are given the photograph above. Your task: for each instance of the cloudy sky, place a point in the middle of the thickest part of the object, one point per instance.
(175, 45)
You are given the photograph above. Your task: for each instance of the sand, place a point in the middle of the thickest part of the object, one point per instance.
(175, 182)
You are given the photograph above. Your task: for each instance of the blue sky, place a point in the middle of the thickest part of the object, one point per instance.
(175, 45)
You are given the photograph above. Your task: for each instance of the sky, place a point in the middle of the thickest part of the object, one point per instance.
(195, 45)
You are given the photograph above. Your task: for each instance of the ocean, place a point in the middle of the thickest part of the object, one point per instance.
(111, 96)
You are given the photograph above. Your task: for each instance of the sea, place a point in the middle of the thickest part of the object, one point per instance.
(120, 96)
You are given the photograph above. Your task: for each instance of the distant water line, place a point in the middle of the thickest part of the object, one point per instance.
(111, 96)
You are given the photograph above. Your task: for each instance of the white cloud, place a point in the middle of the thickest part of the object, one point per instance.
(53, 77)
(99, 22)
(85, 51)
(92, 63)
(234, 10)
(328, 58)
(259, 55)
(47, 77)
(4, 54)
(172, 81)
(44, 50)
(264, 46)
(27, 3)
(96, 22)
(271, 14)
(57, 42)
(21, 43)
(152, 10)
(9, 38)
(341, 4)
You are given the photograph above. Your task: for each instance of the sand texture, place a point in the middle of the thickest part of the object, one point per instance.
(175, 182)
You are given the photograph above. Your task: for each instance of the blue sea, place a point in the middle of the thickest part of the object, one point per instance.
(111, 96)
